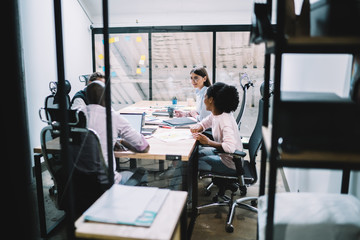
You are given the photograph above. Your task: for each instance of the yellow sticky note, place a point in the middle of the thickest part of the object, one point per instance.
(111, 40)
(138, 71)
(142, 57)
(138, 39)
(101, 56)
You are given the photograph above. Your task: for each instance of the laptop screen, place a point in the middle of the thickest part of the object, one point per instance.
(136, 120)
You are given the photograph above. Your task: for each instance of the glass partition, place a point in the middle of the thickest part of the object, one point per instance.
(173, 57)
(135, 77)
(236, 59)
(129, 59)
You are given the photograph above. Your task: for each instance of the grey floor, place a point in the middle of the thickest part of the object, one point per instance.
(210, 224)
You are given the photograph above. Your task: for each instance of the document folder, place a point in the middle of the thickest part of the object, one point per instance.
(127, 205)
(180, 121)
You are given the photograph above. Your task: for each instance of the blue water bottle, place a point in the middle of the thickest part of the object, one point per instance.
(174, 101)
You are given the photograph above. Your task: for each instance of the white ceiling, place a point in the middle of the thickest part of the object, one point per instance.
(170, 12)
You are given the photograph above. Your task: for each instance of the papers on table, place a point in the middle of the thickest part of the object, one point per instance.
(128, 205)
(173, 135)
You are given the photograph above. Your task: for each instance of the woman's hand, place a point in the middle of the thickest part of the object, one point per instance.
(193, 114)
(201, 138)
(196, 128)
(179, 113)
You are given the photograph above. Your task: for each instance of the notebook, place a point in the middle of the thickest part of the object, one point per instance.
(129, 205)
(180, 121)
(137, 121)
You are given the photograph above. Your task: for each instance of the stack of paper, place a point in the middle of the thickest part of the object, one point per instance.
(128, 205)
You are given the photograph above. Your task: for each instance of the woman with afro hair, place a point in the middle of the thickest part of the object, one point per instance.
(221, 100)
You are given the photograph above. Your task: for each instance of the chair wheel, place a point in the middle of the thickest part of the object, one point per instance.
(254, 203)
(243, 190)
(52, 191)
(207, 192)
(229, 228)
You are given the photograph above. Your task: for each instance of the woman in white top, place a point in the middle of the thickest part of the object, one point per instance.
(221, 99)
(200, 80)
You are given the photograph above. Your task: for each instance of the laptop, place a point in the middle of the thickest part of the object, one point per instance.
(137, 121)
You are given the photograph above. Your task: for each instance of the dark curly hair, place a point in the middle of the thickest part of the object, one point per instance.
(226, 97)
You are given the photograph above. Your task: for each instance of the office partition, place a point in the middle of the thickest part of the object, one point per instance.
(154, 63)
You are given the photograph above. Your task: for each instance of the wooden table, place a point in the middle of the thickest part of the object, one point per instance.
(159, 150)
(184, 150)
(165, 226)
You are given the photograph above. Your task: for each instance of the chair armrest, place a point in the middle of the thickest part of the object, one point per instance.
(237, 153)
(245, 142)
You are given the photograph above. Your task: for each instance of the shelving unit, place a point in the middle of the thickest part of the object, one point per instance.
(288, 108)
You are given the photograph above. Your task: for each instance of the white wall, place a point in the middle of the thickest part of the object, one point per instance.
(38, 42)
(318, 73)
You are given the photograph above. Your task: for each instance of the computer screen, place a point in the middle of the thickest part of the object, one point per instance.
(136, 120)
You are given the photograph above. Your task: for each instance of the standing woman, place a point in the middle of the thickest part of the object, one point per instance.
(200, 80)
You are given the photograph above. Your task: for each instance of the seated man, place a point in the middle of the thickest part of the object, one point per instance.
(80, 100)
(96, 120)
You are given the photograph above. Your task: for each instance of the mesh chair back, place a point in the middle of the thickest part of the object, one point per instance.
(88, 172)
(242, 108)
(52, 103)
(256, 136)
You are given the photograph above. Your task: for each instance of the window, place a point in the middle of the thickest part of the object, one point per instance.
(173, 57)
(235, 57)
(158, 67)
(129, 59)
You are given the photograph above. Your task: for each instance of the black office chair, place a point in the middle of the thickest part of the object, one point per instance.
(52, 101)
(246, 175)
(88, 174)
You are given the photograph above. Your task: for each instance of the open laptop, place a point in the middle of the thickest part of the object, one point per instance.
(137, 121)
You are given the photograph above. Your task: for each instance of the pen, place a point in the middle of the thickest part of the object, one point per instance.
(163, 126)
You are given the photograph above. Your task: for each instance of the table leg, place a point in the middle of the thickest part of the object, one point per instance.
(44, 230)
(40, 195)
(133, 163)
(183, 224)
(345, 181)
(193, 172)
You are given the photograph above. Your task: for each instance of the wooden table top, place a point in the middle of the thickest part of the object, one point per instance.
(163, 143)
(162, 228)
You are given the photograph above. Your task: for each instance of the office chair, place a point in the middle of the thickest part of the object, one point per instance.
(52, 102)
(246, 175)
(245, 83)
(88, 174)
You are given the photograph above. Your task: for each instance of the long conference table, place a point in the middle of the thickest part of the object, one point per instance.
(184, 149)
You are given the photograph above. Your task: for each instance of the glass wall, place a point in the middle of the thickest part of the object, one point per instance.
(236, 59)
(129, 59)
(173, 57)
